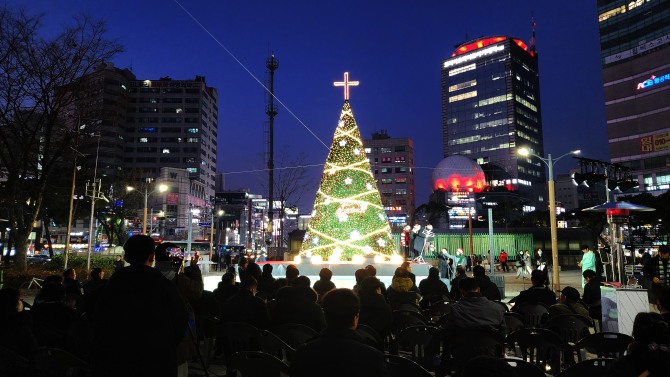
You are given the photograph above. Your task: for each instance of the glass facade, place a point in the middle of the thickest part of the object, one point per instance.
(491, 107)
(635, 50)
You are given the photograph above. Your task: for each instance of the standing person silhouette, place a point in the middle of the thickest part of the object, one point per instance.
(139, 319)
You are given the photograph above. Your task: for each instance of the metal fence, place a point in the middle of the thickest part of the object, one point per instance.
(511, 243)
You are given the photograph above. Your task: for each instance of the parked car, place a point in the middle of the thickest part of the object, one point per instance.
(38, 258)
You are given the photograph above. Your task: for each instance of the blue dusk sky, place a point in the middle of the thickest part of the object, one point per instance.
(392, 47)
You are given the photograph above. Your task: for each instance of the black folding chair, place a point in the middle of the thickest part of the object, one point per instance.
(534, 313)
(295, 334)
(591, 368)
(421, 343)
(541, 347)
(603, 345)
(256, 364)
(467, 344)
(399, 366)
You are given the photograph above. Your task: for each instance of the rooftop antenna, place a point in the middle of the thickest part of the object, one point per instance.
(532, 36)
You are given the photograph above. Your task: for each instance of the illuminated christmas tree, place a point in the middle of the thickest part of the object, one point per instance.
(348, 217)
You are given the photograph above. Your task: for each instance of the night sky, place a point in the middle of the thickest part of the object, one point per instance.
(392, 47)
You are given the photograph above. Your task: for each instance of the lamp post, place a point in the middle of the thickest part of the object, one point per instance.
(161, 189)
(549, 161)
(211, 233)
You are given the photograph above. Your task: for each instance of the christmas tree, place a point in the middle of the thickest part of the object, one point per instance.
(348, 217)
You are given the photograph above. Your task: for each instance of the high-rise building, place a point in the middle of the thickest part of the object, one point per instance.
(392, 162)
(635, 52)
(99, 115)
(491, 107)
(173, 123)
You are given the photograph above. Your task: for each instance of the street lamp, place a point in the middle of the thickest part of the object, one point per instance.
(211, 232)
(160, 188)
(552, 207)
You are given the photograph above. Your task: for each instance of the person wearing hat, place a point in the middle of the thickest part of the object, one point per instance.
(588, 261)
(569, 303)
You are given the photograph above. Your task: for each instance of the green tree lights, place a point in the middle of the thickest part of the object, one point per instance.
(348, 217)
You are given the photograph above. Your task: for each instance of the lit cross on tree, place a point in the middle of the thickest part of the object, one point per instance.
(346, 84)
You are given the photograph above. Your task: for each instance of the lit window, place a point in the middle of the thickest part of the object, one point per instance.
(192, 170)
(144, 140)
(179, 111)
(462, 85)
(463, 96)
(466, 68)
(166, 150)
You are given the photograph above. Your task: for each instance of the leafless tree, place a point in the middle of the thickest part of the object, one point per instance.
(40, 80)
(290, 180)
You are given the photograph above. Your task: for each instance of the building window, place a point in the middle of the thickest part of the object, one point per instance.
(386, 159)
(401, 170)
(399, 148)
(459, 70)
(463, 85)
(385, 150)
(399, 158)
(401, 191)
(463, 96)
(386, 181)
(387, 170)
(401, 180)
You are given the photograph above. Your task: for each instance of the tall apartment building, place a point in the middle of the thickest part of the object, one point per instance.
(635, 51)
(491, 106)
(173, 123)
(392, 162)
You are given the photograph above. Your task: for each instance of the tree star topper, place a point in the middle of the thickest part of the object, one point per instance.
(346, 84)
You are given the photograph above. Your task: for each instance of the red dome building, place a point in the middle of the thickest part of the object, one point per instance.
(458, 173)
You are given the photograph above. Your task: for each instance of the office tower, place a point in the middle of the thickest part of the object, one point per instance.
(173, 123)
(99, 115)
(635, 51)
(392, 162)
(490, 107)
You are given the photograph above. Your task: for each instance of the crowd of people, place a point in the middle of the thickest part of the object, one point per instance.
(144, 318)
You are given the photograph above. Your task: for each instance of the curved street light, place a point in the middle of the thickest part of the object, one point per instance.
(549, 161)
(161, 188)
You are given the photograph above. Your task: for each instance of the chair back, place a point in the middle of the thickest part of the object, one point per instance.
(406, 318)
(275, 346)
(603, 345)
(541, 347)
(370, 336)
(257, 364)
(440, 308)
(295, 334)
(13, 364)
(570, 327)
(467, 344)
(534, 313)
(421, 344)
(57, 362)
(514, 321)
(591, 368)
(524, 368)
(502, 305)
(241, 336)
(399, 366)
